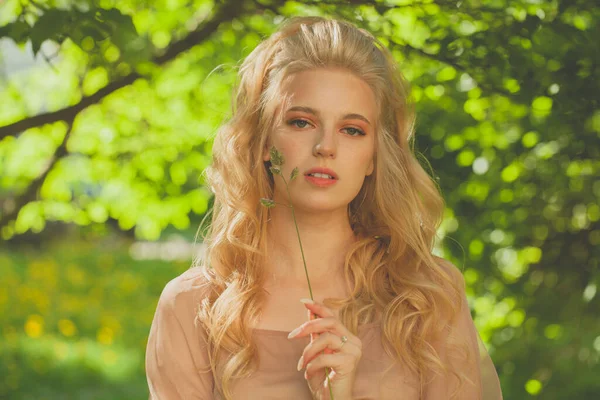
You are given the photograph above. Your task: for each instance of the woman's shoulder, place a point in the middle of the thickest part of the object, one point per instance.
(454, 284)
(451, 270)
(185, 291)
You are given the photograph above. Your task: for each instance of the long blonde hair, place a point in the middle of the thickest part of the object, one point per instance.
(390, 270)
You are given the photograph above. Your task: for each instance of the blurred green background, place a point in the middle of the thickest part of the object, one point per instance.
(107, 113)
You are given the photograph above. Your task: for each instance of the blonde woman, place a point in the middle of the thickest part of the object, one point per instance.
(389, 319)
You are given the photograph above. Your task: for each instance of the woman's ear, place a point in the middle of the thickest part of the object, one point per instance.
(371, 167)
(267, 150)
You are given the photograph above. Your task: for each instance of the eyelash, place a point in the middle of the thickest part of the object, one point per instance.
(292, 122)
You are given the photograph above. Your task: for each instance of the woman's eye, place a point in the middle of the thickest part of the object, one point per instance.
(299, 123)
(355, 132)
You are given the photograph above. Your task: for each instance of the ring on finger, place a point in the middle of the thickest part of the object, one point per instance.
(344, 339)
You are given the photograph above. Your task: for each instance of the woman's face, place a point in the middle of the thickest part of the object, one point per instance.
(329, 122)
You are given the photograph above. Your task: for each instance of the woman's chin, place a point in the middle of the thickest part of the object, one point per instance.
(324, 207)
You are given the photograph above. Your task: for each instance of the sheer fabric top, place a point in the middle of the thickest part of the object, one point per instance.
(177, 358)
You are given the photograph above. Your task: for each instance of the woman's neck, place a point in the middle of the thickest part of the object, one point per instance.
(326, 237)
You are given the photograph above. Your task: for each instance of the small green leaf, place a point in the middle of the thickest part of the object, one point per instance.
(275, 170)
(49, 26)
(294, 174)
(267, 203)
(276, 157)
(18, 31)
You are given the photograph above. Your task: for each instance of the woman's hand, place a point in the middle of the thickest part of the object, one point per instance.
(331, 345)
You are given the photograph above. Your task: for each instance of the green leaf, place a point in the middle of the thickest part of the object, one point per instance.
(294, 174)
(275, 170)
(17, 31)
(125, 36)
(267, 203)
(542, 103)
(49, 26)
(276, 157)
(90, 28)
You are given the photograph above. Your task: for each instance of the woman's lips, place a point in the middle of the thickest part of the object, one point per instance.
(320, 182)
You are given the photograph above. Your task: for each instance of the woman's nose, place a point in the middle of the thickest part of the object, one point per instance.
(325, 146)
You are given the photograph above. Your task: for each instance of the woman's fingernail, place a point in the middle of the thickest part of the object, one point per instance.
(300, 362)
(307, 301)
(294, 332)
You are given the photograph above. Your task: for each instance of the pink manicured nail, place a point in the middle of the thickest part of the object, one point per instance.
(294, 332)
(307, 301)
(300, 362)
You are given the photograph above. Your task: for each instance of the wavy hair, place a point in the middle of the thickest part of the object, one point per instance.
(390, 270)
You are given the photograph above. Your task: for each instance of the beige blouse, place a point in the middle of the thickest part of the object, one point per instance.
(176, 357)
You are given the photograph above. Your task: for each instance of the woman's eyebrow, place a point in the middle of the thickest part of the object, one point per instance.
(316, 113)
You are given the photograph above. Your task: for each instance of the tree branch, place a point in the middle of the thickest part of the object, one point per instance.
(69, 114)
(31, 193)
(225, 13)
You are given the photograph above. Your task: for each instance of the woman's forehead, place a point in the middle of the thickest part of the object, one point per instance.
(331, 91)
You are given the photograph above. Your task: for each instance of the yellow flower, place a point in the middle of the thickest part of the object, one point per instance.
(105, 335)
(34, 327)
(67, 327)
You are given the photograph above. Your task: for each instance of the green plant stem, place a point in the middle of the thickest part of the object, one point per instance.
(299, 240)
(327, 370)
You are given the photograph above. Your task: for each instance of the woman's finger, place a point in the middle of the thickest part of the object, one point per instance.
(341, 363)
(326, 341)
(329, 324)
(311, 317)
(317, 308)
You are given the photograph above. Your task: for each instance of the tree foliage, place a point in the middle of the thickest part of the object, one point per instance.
(116, 127)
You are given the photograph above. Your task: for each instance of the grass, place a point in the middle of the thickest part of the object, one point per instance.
(74, 319)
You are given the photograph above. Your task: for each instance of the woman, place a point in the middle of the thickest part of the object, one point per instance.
(389, 319)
